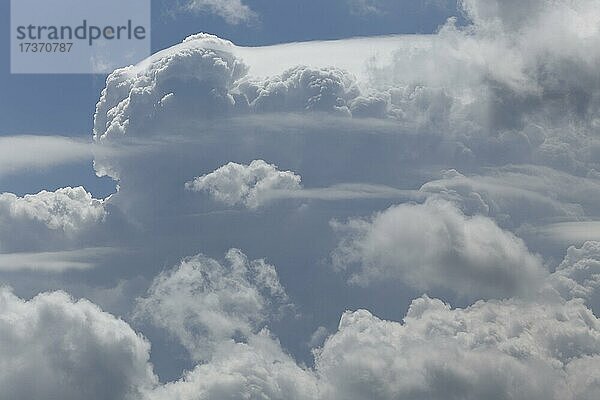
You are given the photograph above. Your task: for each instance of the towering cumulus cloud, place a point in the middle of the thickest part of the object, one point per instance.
(193, 79)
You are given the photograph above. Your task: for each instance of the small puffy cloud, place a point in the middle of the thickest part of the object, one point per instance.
(54, 347)
(249, 185)
(203, 302)
(232, 11)
(493, 350)
(435, 246)
(260, 183)
(66, 209)
(46, 218)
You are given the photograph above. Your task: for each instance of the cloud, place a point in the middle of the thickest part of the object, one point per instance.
(259, 183)
(509, 99)
(318, 337)
(364, 7)
(544, 347)
(248, 185)
(44, 219)
(232, 11)
(578, 275)
(55, 347)
(67, 209)
(493, 349)
(508, 15)
(540, 348)
(195, 79)
(569, 232)
(303, 88)
(203, 302)
(257, 369)
(514, 195)
(54, 261)
(434, 246)
(350, 191)
(499, 94)
(24, 152)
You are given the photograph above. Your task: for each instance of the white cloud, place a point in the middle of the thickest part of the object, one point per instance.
(540, 348)
(259, 369)
(54, 347)
(485, 85)
(518, 85)
(249, 185)
(434, 246)
(54, 261)
(303, 88)
(232, 11)
(514, 195)
(46, 219)
(509, 15)
(349, 191)
(260, 183)
(492, 350)
(578, 275)
(575, 232)
(67, 209)
(29, 152)
(203, 302)
(193, 79)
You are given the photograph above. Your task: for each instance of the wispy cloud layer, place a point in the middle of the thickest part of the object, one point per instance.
(54, 261)
(24, 152)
